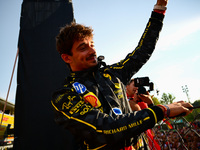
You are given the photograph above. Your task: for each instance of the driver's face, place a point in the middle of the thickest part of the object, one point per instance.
(83, 55)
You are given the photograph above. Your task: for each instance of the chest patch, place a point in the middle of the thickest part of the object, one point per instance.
(92, 99)
(80, 88)
(117, 111)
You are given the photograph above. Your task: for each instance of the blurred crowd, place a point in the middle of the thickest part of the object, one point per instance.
(179, 139)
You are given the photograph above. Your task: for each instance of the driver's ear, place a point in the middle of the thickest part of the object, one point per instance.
(66, 58)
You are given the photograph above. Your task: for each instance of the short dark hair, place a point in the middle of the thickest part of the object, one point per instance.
(69, 34)
(130, 81)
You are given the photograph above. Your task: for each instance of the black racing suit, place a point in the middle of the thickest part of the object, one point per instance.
(92, 104)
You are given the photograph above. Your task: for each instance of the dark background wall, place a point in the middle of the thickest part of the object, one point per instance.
(40, 72)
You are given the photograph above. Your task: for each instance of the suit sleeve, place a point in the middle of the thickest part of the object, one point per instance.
(126, 68)
(96, 127)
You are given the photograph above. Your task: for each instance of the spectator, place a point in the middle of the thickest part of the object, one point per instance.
(139, 102)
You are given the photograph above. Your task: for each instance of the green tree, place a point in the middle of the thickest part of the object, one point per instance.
(196, 103)
(194, 113)
(167, 98)
(155, 101)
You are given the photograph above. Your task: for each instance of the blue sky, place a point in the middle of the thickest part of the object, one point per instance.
(118, 26)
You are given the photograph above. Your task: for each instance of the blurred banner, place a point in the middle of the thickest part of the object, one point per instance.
(40, 72)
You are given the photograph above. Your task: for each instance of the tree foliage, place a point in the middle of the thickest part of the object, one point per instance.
(194, 113)
(167, 98)
(155, 101)
(196, 103)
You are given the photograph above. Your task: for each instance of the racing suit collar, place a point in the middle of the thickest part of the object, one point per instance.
(85, 72)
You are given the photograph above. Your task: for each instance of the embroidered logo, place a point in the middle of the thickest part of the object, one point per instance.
(107, 76)
(80, 88)
(92, 99)
(117, 86)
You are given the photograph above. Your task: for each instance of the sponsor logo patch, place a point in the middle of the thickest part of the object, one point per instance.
(80, 88)
(92, 99)
(117, 111)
